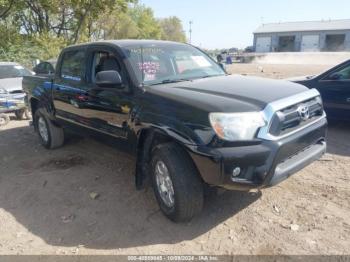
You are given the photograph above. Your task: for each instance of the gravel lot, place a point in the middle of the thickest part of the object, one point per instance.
(81, 199)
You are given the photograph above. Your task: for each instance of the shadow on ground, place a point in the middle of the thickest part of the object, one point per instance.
(49, 193)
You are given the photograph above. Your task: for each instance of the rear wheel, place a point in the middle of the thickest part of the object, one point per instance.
(176, 183)
(50, 135)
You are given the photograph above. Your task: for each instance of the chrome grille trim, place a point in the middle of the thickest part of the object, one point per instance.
(278, 105)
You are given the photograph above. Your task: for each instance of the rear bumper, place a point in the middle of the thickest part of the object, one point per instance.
(263, 165)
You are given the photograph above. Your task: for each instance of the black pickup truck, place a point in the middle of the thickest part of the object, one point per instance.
(187, 122)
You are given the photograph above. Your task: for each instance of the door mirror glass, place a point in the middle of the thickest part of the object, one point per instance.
(109, 79)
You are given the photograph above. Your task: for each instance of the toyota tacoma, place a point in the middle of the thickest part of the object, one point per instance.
(187, 123)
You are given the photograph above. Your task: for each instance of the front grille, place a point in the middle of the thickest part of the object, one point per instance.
(296, 116)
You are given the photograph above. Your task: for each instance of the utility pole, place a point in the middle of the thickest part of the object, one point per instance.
(191, 22)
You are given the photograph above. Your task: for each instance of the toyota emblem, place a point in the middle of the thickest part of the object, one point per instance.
(304, 113)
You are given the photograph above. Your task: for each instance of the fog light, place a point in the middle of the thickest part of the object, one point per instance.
(236, 172)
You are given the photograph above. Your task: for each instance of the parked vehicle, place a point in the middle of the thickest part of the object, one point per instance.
(249, 49)
(12, 104)
(334, 86)
(187, 123)
(11, 92)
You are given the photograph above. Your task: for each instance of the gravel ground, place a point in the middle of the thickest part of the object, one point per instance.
(81, 199)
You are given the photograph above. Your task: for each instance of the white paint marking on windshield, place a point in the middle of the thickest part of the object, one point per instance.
(201, 61)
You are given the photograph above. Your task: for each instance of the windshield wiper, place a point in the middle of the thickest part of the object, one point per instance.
(207, 76)
(169, 81)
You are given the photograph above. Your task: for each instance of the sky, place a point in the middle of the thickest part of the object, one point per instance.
(230, 23)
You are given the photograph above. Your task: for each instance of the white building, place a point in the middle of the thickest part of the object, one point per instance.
(329, 36)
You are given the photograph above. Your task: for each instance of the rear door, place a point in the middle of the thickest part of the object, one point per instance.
(335, 91)
(70, 84)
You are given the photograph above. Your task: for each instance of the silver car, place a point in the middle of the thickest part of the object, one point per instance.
(11, 92)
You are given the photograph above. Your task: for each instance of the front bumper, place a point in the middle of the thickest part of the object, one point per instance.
(12, 102)
(262, 165)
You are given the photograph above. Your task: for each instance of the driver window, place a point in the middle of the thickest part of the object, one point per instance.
(104, 61)
(343, 74)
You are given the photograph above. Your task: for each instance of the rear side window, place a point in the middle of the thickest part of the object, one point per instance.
(72, 67)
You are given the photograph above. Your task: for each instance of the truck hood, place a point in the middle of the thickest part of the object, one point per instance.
(234, 93)
(11, 84)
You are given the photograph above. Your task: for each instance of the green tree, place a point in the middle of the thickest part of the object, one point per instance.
(172, 29)
(39, 29)
(148, 26)
(137, 23)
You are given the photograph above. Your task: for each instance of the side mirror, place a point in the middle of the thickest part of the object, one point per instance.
(39, 71)
(335, 76)
(109, 79)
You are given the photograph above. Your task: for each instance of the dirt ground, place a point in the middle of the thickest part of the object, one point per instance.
(81, 199)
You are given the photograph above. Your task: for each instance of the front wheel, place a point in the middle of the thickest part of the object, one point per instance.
(176, 183)
(50, 135)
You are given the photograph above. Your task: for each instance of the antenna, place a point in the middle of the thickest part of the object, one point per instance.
(142, 68)
(191, 22)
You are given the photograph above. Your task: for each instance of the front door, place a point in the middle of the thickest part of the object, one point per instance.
(105, 109)
(335, 92)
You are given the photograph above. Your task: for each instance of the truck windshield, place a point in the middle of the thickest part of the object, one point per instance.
(13, 71)
(167, 63)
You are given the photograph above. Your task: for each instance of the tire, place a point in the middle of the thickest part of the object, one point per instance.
(4, 119)
(186, 183)
(22, 114)
(53, 136)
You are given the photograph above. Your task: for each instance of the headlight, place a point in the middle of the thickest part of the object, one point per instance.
(2, 91)
(237, 126)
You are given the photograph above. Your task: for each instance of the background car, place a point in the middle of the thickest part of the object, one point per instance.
(334, 86)
(11, 92)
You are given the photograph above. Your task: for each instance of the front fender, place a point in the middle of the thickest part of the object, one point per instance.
(171, 127)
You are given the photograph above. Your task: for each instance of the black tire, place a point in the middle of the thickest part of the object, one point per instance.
(187, 185)
(22, 114)
(5, 119)
(55, 134)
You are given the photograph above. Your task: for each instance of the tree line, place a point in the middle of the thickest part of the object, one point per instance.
(39, 29)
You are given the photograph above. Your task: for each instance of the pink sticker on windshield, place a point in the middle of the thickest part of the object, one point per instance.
(149, 68)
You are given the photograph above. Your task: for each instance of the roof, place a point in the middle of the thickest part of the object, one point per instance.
(325, 25)
(129, 42)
